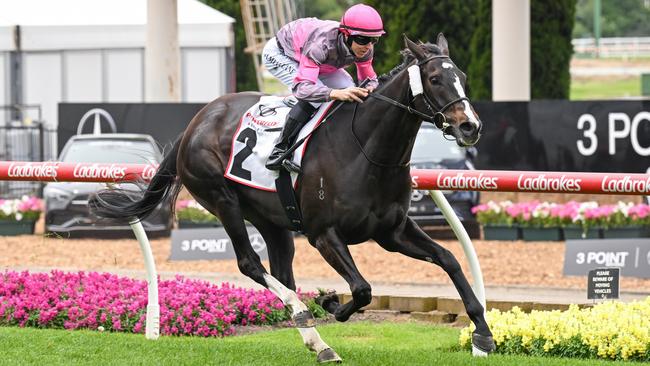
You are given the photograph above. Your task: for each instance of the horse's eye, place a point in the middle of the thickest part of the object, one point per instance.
(434, 80)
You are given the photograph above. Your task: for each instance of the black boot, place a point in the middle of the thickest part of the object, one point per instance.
(298, 116)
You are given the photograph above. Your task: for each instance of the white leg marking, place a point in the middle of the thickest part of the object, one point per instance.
(478, 353)
(310, 336)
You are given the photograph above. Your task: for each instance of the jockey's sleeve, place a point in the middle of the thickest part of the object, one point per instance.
(365, 71)
(305, 85)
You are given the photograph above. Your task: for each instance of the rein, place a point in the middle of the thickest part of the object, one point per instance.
(439, 114)
(424, 116)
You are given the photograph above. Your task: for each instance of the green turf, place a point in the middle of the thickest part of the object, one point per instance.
(357, 343)
(586, 89)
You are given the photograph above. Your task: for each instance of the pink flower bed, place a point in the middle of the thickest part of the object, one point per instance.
(90, 300)
(545, 214)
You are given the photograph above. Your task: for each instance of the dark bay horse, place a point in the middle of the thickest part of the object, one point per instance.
(355, 186)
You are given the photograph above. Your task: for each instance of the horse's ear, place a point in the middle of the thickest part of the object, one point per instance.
(413, 47)
(442, 44)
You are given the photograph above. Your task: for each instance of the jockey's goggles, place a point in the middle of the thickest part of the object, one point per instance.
(364, 40)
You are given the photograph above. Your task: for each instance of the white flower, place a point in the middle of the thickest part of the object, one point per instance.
(7, 208)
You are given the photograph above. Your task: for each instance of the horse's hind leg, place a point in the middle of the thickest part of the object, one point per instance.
(280, 247)
(413, 242)
(336, 253)
(250, 265)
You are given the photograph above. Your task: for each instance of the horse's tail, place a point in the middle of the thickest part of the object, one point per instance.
(127, 205)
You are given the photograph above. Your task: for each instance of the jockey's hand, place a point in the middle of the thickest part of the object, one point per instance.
(370, 89)
(351, 94)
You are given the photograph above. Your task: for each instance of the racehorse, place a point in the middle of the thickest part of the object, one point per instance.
(355, 185)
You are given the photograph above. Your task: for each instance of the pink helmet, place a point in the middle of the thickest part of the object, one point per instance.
(362, 20)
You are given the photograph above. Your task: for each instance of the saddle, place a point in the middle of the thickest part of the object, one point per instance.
(259, 129)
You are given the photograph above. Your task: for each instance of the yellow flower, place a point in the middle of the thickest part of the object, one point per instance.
(609, 330)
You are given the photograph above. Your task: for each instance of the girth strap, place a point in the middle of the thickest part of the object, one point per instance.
(289, 200)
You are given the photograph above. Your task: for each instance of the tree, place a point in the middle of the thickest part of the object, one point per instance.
(479, 71)
(551, 50)
(323, 9)
(423, 20)
(244, 66)
(622, 18)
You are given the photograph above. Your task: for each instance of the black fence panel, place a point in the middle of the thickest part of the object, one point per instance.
(34, 142)
(540, 135)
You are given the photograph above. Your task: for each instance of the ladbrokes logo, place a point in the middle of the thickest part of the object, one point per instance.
(29, 170)
(149, 171)
(542, 183)
(626, 185)
(99, 171)
(461, 181)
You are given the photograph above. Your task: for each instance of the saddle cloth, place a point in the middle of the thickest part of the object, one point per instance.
(258, 131)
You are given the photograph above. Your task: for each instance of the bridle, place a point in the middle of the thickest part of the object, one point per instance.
(438, 117)
(441, 123)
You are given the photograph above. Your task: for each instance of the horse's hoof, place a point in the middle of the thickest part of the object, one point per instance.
(482, 345)
(328, 355)
(329, 302)
(342, 317)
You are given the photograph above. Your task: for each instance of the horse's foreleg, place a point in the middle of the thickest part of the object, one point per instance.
(250, 265)
(303, 319)
(413, 242)
(336, 253)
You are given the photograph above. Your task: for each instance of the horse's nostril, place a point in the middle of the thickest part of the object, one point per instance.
(467, 128)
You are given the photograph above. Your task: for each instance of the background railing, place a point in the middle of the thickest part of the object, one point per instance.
(35, 142)
(613, 47)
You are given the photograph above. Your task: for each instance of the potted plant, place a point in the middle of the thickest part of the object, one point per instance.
(191, 214)
(582, 220)
(18, 216)
(497, 224)
(539, 221)
(627, 220)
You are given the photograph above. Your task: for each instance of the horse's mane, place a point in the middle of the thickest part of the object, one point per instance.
(407, 58)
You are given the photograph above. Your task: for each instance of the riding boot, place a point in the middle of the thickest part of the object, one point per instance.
(296, 119)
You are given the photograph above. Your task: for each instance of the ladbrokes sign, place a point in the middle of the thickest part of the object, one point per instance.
(505, 181)
(540, 182)
(462, 181)
(626, 185)
(32, 170)
(94, 171)
(75, 172)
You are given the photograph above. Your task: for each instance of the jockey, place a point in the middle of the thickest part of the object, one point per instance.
(308, 55)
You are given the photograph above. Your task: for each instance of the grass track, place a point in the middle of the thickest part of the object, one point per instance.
(357, 343)
(586, 89)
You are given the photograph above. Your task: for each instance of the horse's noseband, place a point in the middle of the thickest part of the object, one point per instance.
(438, 118)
